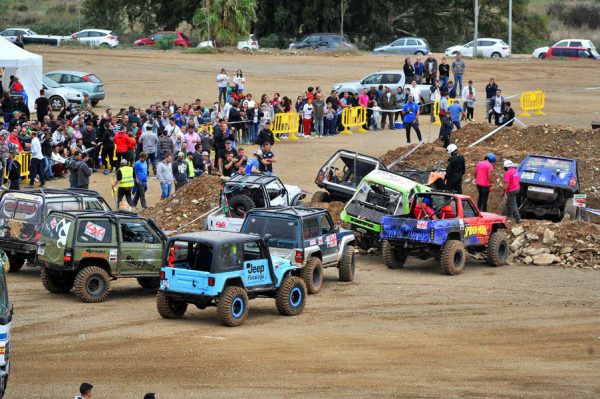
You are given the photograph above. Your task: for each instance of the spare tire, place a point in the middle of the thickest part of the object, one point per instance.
(240, 205)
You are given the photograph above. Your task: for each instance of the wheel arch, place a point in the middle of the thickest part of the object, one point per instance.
(98, 262)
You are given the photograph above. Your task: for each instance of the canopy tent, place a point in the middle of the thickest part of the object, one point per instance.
(24, 65)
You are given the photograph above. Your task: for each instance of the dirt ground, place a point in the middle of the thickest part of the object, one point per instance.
(517, 331)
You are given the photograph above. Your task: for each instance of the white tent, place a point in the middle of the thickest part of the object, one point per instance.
(24, 65)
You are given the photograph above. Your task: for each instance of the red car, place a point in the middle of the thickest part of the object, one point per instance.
(180, 39)
(572, 53)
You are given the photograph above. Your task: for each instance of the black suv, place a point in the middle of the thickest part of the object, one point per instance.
(22, 214)
(324, 41)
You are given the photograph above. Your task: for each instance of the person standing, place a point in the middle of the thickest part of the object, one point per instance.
(496, 108)
(42, 105)
(84, 172)
(89, 141)
(446, 129)
(490, 91)
(410, 118)
(267, 160)
(388, 105)
(483, 179)
(319, 110)
(14, 171)
(180, 171)
(430, 69)
(435, 94)
(468, 98)
(149, 142)
(444, 69)
(419, 70)
(455, 169)
(456, 111)
(73, 168)
(36, 167)
(307, 113)
(223, 81)
(140, 167)
(85, 391)
(458, 70)
(512, 187)
(409, 71)
(165, 176)
(165, 146)
(240, 81)
(125, 182)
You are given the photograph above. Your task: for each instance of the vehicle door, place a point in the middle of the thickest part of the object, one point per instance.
(397, 47)
(140, 249)
(372, 80)
(56, 235)
(277, 193)
(476, 232)
(328, 240)
(84, 37)
(257, 270)
(94, 38)
(411, 46)
(311, 234)
(10, 35)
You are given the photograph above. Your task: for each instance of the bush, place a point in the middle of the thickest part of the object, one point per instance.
(576, 15)
(166, 42)
(201, 50)
(271, 41)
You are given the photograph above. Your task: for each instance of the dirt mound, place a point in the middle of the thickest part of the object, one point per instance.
(335, 208)
(568, 243)
(515, 143)
(195, 199)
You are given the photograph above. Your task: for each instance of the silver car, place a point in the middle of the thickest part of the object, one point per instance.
(392, 79)
(406, 46)
(86, 82)
(59, 96)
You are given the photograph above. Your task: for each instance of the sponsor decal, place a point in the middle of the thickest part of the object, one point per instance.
(320, 240)
(580, 200)
(95, 231)
(421, 224)
(220, 224)
(112, 256)
(331, 240)
(480, 230)
(313, 242)
(94, 253)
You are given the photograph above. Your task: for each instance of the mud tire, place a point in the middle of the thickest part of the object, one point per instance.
(54, 283)
(498, 249)
(233, 306)
(240, 205)
(453, 257)
(92, 284)
(150, 283)
(312, 275)
(319, 197)
(291, 296)
(168, 308)
(347, 264)
(392, 257)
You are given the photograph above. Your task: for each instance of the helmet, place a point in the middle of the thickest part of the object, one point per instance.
(491, 157)
(451, 148)
(427, 201)
(508, 163)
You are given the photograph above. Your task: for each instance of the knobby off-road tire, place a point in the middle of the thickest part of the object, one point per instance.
(151, 283)
(240, 205)
(168, 308)
(320, 196)
(15, 263)
(312, 274)
(453, 257)
(92, 284)
(392, 257)
(291, 296)
(498, 249)
(571, 209)
(233, 306)
(347, 264)
(56, 284)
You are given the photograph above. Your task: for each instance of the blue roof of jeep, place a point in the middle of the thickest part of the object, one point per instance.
(295, 211)
(214, 237)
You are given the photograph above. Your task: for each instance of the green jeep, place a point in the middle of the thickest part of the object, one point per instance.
(83, 251)
(379, 193)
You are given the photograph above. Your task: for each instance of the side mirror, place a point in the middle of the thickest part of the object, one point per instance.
(267, 238)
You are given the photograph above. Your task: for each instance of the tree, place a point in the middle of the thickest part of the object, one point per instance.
(225, 21)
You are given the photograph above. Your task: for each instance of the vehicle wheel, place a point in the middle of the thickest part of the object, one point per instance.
(453, 257)
(92, 284)
(312, 274)
(347, 265)
(233, 306)
(392, 257)
(151, 283)
(419, 53)
(104, 45)
(240, 205)
(291, 296)
(168, 308)
(320, 196)
(498, 249)
(496, 55)
(56, 284)
(15, 263)
(56, 103)
(542, 56)
(571, 209)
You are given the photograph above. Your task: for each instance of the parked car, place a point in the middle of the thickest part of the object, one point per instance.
(405, 45)
(324, 41)
(250, 44)
(59, 96)
(95, 38)
(572, 53)
(181, 40)
(490, 48)
(540, 52)
(29, 36)
(84, 81)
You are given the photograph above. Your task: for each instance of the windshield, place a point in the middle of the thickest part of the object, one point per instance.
(4, 304)
(20, 209)
(380, 196)
(49, 83)
(535, 163)
(283, 231)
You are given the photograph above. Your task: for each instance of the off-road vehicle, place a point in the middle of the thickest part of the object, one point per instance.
(444, 226)
(6, 315)
(308, 238)
(225, 270)
(22, 214)
(548, 185)
(84, 251)
(242, 193)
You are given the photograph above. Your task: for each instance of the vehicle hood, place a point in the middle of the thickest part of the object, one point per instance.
(65, 91)
(293, 190)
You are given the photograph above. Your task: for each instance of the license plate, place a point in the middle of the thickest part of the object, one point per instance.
(541, 190)
(527, 175)
(41, 250)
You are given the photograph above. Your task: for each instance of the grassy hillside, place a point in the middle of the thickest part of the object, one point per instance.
(43, 16)
(560, 30)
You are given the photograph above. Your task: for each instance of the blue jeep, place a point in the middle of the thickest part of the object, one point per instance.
(548, 185)
(225, 270)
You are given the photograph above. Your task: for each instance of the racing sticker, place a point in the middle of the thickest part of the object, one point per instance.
(331, 240)
(320, 240)
(313, 242)
(95, 231)
(53, 224)
(421, 224)
(112, 256)
(480, 230)
(461, 224)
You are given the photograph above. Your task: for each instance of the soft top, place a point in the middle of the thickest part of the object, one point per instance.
(214, 238)
(286, 210)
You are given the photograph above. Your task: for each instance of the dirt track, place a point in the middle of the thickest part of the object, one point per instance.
(516, 331)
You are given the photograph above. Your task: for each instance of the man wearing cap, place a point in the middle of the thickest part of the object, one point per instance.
(85, 391)
(125, 181)
(455, 170)
(512, 187)
(207, 163)
(253, 164)
(180, 171)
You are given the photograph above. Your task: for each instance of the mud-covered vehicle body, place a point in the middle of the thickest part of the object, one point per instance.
(242, 193)
(548, 185)
(308, 238)
(444, 226)
(22, 214)
(6, 315)
(380, 193)
(84, 251)
(341, 173)
(225, 270)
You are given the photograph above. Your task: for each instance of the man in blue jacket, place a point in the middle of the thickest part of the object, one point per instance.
(410, 118)
(141, 182)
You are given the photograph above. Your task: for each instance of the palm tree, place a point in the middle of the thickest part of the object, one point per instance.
(225, 21)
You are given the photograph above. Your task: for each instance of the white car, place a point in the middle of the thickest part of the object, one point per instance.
(95, 38)
(59, 96)
(29, 36)
(540, 52)
(248, 45)
(489, 48)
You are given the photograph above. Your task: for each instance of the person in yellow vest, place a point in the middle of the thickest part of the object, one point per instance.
(125, 182)
(190, 162)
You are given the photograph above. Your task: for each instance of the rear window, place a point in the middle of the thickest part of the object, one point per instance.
(535, 163)
(20, 209)
(57, 228)
(283, 231)
(96, 231)
(94, 78)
